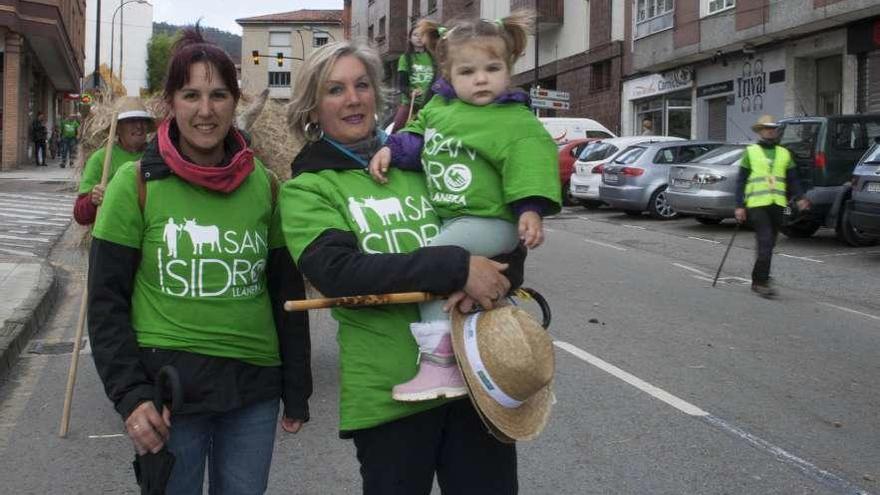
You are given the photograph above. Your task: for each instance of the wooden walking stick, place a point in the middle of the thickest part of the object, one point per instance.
(81, 322)
(412, 103)
(726, 252)
(369, 300)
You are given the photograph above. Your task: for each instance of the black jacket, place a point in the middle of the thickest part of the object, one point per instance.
(334, 263)
(210, 384)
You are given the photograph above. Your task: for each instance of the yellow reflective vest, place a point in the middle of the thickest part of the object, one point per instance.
(766, 183)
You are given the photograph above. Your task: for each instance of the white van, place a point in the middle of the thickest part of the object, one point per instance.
(564, 129)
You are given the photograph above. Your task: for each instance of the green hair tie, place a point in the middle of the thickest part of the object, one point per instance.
(442, 31)
(499, 23)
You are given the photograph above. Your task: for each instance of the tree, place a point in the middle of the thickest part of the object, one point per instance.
(158, 54)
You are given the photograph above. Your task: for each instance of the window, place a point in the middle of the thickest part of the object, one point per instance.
(719, 5)
(381, 29)
(320, 39)
(653, 16)
(370, 33)
(279, 79)
(630, 155)
(432, 6)
(279, 38)
(416, 9)
(800, 138)
(600, 76)
(597, 151)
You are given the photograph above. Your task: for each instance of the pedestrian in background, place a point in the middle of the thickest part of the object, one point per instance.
(69, 137)
(54, 142)
(39, 135)
(647, 127)
(415, 73)
(133, 125)
(188, 268)
(766, 181)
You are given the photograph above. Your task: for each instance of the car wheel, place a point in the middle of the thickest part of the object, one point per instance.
(593, 204)
(849, 234)
(567, 198)
(633, 213)
(709, 220)
(659, 207)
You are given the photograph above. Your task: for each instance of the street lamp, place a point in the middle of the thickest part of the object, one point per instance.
(113, 30)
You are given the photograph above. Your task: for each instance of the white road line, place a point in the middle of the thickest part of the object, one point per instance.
(16, 238)
(13, 215)
(548, 229)
(801, 258)
(637, 227)
(805, 467)
(681, 405)
(43, 206)
(40, 214)
(706, 279)
(851, 311)
(612, 246)
(854, 253)
(586, 219)
(703, 240)
(16, 252)
(37, 196)
(114, 435)
(37, 222)
(691, 269)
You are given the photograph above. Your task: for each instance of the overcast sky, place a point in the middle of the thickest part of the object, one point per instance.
(222, 15)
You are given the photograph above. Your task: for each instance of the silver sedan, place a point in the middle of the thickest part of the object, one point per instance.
(706, 188)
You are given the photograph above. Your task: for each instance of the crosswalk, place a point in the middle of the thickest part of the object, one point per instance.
(30, 222)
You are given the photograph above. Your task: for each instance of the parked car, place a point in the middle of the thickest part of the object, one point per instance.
(588, 167)
(568, 153)
(635, 181)
(706, 187)
(862, 212)
(826, 150)
(564, 130)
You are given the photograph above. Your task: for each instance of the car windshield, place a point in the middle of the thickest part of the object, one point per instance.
(873, 155)
(800, 137)
(723, 155)
(630, 155)
(597, 151)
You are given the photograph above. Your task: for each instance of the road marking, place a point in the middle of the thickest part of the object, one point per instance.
(704, 240)
(586, 219)
(706, 279)
(16, 252)
(805, 467)
(681, 405)
(39, 213)
(47, 206)
(854, 253)
(637, 227)
(851, 311)
(36, 222)
(12, 215)
(801, 258)
(114, 435)
(612, 246)
(691, 269)
(16, 238)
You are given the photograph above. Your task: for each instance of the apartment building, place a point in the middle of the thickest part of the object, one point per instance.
(709, 68)
(292, 34)
(42, 63)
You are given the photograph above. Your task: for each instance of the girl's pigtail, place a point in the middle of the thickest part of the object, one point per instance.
(430, 32)
(517, 25)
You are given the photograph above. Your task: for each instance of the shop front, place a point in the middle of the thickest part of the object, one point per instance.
(863, 41)
(659, 104)
(733, 92)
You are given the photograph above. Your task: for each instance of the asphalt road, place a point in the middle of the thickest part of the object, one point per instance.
(674, 388)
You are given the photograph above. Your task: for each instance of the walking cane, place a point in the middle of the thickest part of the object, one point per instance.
(81, 323)
(726, 251)
(412, 103)
(369, 300)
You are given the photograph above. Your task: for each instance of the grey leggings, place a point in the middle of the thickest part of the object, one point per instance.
(482, 237)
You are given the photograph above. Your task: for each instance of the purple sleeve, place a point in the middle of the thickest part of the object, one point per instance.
(406, 150)
(533, 203)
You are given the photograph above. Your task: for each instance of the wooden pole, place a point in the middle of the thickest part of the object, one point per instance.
(412, 103)
(369, 300)
(81, 322)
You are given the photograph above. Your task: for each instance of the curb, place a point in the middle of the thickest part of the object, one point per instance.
(30, 316)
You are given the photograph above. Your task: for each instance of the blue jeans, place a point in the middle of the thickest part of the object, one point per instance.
(68, 148)
(238, 445)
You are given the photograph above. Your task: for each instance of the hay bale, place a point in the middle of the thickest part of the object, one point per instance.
(272, 141)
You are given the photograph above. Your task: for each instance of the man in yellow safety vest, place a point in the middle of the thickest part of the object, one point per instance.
(766, 180)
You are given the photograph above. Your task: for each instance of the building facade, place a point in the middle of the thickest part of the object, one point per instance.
(710, 68)
(43, 49)
(126, 30)
(292, 34)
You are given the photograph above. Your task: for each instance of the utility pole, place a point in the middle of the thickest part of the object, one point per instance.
(96, 78)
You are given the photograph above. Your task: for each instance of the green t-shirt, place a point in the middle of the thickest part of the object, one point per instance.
(420, 72)
(94, 167)
(479, 159)
(69, 128)
(201, 283)
(376, 349)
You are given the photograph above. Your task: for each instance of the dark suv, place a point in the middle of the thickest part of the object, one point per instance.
(863, 210)
(826, 150)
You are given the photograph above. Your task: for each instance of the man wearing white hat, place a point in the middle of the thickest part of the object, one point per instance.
(134, 122)
(767, 179)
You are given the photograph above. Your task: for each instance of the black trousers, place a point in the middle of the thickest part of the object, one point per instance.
(401, 457)
(40, 152)
(766, 221)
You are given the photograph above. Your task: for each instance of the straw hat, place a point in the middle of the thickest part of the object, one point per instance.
(765, 122)
(131, 107)
(507, 362)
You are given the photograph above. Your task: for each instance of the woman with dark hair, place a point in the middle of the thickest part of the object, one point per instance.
(188, 268)
(415, 73)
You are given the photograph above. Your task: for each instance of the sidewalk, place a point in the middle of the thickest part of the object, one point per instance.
(50, 173)
(29, 291)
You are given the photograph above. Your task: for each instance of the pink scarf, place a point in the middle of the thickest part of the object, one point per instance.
(222, 179)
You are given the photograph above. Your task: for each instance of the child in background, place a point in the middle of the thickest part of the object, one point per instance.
(415, 72)
(490, 165)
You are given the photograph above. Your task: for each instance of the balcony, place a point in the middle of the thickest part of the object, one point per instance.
(550, 12)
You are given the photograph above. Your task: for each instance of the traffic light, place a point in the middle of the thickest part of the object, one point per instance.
(280, 58)
(256, 55)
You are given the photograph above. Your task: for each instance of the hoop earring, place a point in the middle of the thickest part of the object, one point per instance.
(313, 131)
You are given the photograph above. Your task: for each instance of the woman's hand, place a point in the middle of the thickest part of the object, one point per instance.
(291, 425)
(379, 165)
(531, 230)
(485, 283)
(97, 195)
(147, 429)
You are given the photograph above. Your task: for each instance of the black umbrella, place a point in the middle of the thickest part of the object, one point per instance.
(152, 471)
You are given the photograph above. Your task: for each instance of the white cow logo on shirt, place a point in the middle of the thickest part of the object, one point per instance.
(201, 235)
(386, 208)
